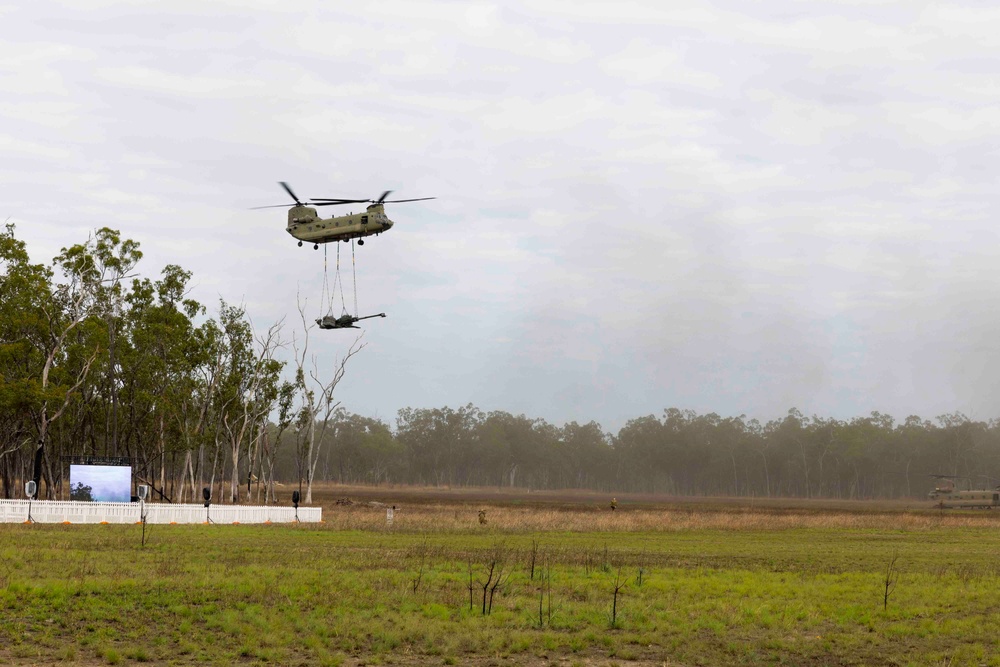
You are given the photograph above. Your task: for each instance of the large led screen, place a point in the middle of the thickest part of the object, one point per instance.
(105, 484)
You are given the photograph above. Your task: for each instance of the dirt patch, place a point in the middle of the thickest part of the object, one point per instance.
(329, 495)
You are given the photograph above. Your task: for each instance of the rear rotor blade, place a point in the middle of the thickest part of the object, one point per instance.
(382, 198)
(333, 203)
(289, 191)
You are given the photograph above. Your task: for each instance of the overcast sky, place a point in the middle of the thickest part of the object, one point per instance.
(739, 207)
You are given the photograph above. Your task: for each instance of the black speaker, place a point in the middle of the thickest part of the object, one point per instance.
(295, 499)
(207, 495)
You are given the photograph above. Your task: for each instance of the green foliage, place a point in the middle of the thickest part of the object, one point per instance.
(97, 360)
(82, 492)
(86, 347)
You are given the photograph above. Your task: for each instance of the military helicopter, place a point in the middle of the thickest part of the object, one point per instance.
(306, 225)
(945, 495)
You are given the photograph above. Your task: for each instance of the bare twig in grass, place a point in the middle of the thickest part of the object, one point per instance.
(470, 584)
(415, 583)
(619, 584)
(501, 580)
(891, 578)
(541, 602)
(533, 555)
(491, 567)
(544, 590)
(548, 587)
(497, 575)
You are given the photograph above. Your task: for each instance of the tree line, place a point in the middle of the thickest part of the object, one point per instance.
(96, 360)
(678, 452)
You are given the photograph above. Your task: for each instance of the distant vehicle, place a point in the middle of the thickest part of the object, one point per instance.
(306, 225)
(946, 496)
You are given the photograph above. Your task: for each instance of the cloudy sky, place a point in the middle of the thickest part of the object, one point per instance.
(724, 206)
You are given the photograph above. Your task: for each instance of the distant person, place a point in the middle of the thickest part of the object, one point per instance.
(482, 517)
(614, 504)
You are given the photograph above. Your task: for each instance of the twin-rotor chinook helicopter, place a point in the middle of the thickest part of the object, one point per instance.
(305, 224)
(945, 495)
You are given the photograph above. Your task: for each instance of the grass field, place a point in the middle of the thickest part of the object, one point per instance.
(706, 583)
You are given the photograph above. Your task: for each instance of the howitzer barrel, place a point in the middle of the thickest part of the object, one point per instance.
(369, 316)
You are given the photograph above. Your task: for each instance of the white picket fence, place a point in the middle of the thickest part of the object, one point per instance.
(60, 511)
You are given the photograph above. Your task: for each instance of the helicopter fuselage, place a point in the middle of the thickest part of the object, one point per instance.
(306, 225)
(972, 499)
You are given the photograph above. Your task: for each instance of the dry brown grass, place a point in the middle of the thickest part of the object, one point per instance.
(450, 511)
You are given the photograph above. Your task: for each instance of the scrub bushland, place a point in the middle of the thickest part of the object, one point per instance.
(533, 585)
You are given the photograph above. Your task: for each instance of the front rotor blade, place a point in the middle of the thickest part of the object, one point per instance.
(289, 191)
(330, 203)
(382, 198)
(254, 208)
(339, 201)
(400, 201)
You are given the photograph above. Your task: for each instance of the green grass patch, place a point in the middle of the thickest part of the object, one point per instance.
(306, 595)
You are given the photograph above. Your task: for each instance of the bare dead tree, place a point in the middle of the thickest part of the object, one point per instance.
(316, 392)
(257, 402)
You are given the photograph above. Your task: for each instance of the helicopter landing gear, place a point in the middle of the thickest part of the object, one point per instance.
(361, 241)
(316, 247)
(300, 244)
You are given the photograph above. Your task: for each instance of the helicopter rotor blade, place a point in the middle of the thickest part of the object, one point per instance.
(339, 201)
(290, 193)
(325, 201)
(254, 208)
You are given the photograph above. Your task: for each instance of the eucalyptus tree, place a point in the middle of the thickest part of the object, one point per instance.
(272, 439)
(92, 273)
(415, 429)
(195, 399)
(584, 457)
(316, 389)
(247, 388)
(637, 447)
(157, 356)
(362, 450)
(264, 392)
(525, 442)
(24, 288)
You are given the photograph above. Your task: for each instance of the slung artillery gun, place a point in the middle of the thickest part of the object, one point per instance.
(343, 322)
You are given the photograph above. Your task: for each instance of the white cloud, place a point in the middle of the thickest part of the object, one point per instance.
(642, 62)
(641, 204)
